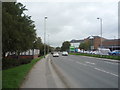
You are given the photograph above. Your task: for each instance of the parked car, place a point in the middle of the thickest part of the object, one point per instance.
(55, 54)
(64, 53)
(115, 52)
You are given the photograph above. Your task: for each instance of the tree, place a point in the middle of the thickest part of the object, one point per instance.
(37, 43)
(58, 49)
(85, 46)
(65, 46)
(18, 28)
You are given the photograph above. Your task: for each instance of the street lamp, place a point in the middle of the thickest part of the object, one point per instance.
(45, 19)
(48, 43)
(100, 30)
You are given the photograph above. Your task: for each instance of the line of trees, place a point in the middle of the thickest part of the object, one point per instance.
(18, 30)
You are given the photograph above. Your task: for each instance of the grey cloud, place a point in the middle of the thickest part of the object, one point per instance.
(68, 21)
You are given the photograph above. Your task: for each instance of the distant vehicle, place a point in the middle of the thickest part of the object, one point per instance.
(115, 52)
(55, 54)
(95, 52)
(64, 53)
(103, 51)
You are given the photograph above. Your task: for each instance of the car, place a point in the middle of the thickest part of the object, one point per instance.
(64, 53)
(115, 52)
(55, 54)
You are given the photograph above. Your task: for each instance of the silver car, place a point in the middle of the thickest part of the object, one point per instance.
(55, 54)
(64, 53)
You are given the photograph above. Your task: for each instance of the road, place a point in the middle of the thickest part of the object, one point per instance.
(86, 72)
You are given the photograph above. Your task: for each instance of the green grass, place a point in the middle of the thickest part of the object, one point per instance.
(98, 56)
(12, 78)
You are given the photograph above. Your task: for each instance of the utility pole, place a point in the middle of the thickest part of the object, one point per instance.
(48, 43)
(100, 30)
(45, 19)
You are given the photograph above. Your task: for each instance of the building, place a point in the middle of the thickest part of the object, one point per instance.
(112, 44)
(95, 43)
(76, 43)
(32, 53)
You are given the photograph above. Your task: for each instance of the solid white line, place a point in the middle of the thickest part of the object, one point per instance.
(90, 63)
(105, 71)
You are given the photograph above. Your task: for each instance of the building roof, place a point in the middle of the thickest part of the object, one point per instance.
(76, 41)
(94, 37)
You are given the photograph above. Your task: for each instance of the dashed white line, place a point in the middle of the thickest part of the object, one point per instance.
(84, 64)
(105, 71)
(90, 63)
(98, 69)
(81, 63)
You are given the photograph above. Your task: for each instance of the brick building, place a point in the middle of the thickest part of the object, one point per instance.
(112, 44)
(95, 43)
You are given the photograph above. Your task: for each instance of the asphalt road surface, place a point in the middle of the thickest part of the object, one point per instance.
(87, 72)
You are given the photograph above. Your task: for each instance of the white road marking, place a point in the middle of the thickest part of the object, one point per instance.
(81, 63)
(90, 63)
(84, 64)
(105, 71)
(98, 69)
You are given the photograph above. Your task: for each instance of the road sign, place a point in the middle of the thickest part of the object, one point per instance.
(72, 48)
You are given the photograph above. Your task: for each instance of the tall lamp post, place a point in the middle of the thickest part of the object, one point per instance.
(48, 43)
(100, 30)
(45, 19)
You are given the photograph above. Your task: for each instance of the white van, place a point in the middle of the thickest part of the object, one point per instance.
(103, 51)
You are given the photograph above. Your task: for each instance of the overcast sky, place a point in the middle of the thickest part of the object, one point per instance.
(73, 20)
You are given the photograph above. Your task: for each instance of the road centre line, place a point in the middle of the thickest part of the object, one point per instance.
(81, 63)
(84, 64)
(90, 63)
(105, 71)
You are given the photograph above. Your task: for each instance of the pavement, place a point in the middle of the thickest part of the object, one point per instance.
(36, 77)
(42, 75)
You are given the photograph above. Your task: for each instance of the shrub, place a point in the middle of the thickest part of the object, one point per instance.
(12, 62)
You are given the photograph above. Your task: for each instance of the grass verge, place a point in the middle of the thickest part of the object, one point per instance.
(98, 56)
(12, 78)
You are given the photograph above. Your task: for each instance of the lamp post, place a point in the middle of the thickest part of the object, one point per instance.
(100, 30)
(45, 19)
(48, 43)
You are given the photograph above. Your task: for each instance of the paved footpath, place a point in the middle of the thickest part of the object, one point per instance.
(39, 76)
